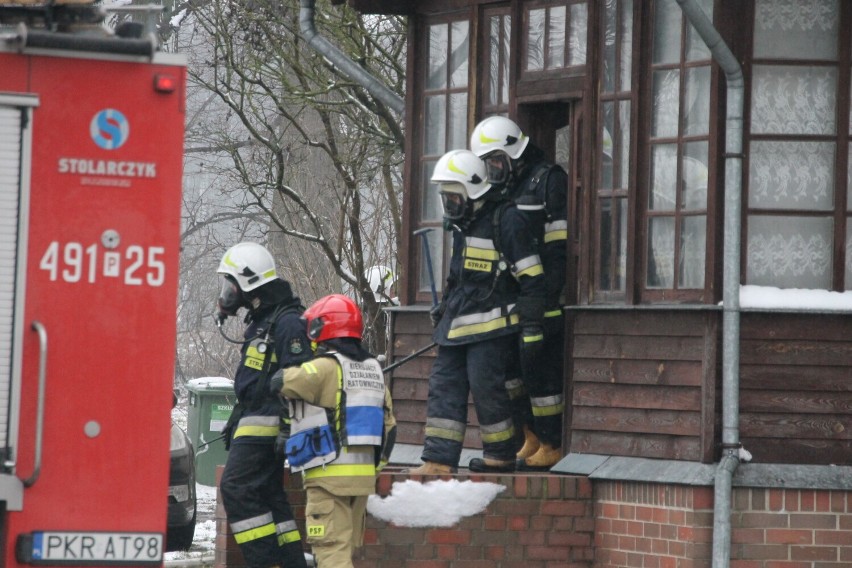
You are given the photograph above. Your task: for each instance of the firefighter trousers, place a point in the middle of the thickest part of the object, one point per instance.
(536, 390)
(459, 370)
(258, 511)
(335, 525)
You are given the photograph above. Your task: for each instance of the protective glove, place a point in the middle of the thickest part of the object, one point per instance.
(436, 313)
(281, 441)
(276, 382)
(531, 346)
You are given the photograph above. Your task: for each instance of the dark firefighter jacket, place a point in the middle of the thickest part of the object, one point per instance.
(496, 279)
(287, 346)
(542, 192)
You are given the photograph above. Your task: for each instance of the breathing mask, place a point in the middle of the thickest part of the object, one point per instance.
(230, 300)
(499, 167)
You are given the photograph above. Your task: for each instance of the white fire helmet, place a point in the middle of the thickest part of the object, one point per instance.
(498, 133)
(461, 177)
(249, 264)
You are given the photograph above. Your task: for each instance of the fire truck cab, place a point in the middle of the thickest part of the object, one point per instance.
(91, 150)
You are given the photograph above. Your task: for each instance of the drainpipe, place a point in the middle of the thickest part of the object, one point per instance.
(731, 279)
(349, 68)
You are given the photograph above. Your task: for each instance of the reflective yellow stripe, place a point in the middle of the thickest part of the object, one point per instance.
(254, 534)
(501, 436)
(484, 327)
(531, 271)
(256, 431)
(482, 254)
(309, 368)
(547, 410)
(551, 236)
(332, 470)
(444, 434)
(292, 536)
(552, 313)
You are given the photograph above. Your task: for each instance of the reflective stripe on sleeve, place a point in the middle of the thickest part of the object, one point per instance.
(556, 231)
(529, 266)
(257, 426)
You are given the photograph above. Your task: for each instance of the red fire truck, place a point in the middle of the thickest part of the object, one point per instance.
(91, 144)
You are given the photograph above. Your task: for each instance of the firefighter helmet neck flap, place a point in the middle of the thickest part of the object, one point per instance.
(332, 317)
(460, 175)
(500, 143)
(245, 267)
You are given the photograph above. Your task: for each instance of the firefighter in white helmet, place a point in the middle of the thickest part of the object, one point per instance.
(343, 428)
(258, 511)
(495, 285)
(540, 189)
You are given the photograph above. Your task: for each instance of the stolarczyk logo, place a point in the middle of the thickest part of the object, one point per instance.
(109, 129)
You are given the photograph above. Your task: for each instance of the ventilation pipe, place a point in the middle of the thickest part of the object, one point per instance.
(349, 68)
(731, 279)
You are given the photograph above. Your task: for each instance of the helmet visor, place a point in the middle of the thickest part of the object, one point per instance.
(498, 167)
(231, 298)
(315, 326)
(454, 205)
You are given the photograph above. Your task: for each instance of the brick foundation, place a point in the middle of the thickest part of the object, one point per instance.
(550, 521)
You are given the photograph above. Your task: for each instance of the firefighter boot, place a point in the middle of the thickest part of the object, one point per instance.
(546, 457)
(479, 465)
(530, 446)
(432, 468)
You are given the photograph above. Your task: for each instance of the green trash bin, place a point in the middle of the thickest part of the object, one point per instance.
(211, 400)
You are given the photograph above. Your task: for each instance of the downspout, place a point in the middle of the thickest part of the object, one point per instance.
(731, 279)
(348, 67)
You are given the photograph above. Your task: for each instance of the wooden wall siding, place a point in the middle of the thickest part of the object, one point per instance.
(796, 388)
(410, 381)
(644, 383)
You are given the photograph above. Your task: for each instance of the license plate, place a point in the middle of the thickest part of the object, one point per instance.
(76, 548)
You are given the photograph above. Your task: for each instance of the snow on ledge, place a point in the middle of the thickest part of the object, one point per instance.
(767, 297)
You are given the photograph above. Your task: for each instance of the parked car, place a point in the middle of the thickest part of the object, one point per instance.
(182, 501)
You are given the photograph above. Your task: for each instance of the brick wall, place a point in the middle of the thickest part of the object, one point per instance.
(646, 525)
(539, 521)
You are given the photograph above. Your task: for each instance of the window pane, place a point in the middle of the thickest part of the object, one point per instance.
(623, 150)
(849, 182)
(696, 49)
(694, 177)
(793, 29)
(436, 124)
(663, 178)
(437, 78)
(535, 40)
(507, 34)
(848, 279)
(607, 110)
(666, 96)
(436, 248)
(578, 34)
(667, 29)
(793, 100)
(458, 121)
(556, 39)
(696, 120)
(693, 243)
(613, 254)
(431, 209)
(626, 38)
(459, 56)
(661, 239)
(494, 49)
(621, 243)
(789, 252)
(608, 73)
(791, 175)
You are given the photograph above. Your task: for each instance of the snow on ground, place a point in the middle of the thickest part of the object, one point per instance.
(204, 542)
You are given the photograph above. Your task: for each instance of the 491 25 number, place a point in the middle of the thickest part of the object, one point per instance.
(72, 262)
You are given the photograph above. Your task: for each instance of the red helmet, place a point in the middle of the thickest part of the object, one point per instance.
(333, 316)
